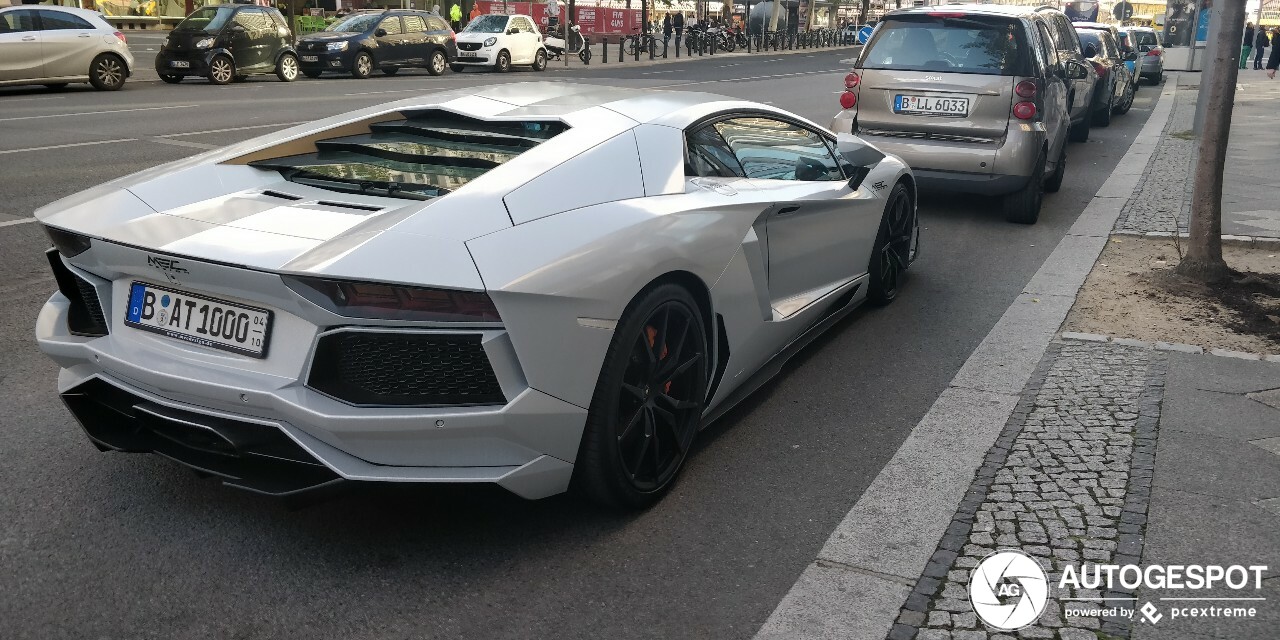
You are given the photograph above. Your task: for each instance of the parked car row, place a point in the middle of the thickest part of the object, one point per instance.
(224, 43)
(984, 98)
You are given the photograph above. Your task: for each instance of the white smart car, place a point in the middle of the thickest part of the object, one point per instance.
(55, 46)
(500, 41)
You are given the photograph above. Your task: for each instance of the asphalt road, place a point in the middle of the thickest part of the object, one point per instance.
(126, 546)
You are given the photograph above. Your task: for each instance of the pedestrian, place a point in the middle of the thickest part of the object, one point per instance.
(1259, 44)
(455, 15)
(666, 30)
(1273, 62)
(475, 13)
(1247, 45)
(677, 23)
(435, 10)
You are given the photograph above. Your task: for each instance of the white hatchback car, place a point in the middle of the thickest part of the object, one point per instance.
(499, 41)
(55, 46)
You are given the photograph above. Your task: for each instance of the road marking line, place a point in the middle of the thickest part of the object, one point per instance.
(68, 146)
(252, 126)
(776, 75)
(182, 143)
(97, 113)
(17, 222)
(372, 93)
(649, 73)
(35, 99)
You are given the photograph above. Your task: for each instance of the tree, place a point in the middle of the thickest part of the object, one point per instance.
(863, 8)
(1203, 261)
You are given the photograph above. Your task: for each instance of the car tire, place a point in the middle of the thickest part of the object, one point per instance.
(1128, 100)
(437, 63)
(1102, 117)
(222, 70)
(107, 72)
(1023, 205)
(242, 78)
(1054, 183)
(171, 78)
(287, 67)
(362, 66)
(390, 71)
(456, 68)
(585, 56)
(1079, 132)
(540, 60)
(503, 63)
(650, 393)
(311, 73)
(895, 248)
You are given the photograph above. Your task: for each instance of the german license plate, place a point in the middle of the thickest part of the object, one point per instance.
(179, 64)
(468, 54)
(310, 58)
(198, 319)
(931, 105)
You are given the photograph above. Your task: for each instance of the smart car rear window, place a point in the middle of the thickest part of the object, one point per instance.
(424, 155)
(968, 44)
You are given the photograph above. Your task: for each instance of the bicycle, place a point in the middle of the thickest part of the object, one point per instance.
(638, 43)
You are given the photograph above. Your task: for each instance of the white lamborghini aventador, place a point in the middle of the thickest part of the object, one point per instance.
(539, 285)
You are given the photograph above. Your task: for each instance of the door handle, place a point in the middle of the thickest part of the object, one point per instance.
(788, 210)
(29, 39)
(86, 35)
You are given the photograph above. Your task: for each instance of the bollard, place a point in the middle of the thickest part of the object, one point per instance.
(636, 54)
(622, 48)
(604, 51)
(665, 42)
(748, 43)
(712, 45)
(653, 46)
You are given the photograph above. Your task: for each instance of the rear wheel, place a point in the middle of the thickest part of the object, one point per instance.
(221, 70)
(1054, 183)
(1023, 205)
(456, 68)
(287, 68)
(107, 72)
(648, 402)
(895, 247)
(311, 73)
(362, 66)
(1102, 117)
(438, 63)
(390, 71)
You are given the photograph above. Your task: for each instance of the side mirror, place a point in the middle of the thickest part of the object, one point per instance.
(1077, 70)
(856, 157)
(1131, 56)
(1090, 51)
(512, 31)
(238, 28)
(1145, 47)
(380, 33)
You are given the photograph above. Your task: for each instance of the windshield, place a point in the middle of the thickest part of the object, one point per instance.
(954, 45)
(1144, 38)
(487, 24)
(356, 24)
(208, 19)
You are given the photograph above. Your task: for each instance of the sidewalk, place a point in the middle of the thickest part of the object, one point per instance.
(1079, 451)
(1250, 204)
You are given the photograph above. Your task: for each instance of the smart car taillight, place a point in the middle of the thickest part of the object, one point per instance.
(1155, 53)
(848, 100)
(1024, 110)
(851, 81)
(395, 302)
(120, 34)
(1026, 89)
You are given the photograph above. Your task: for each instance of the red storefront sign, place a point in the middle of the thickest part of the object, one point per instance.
(594, 20)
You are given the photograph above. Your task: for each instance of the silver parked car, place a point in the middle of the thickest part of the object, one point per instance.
(973, 98)
(521, 284)
(1150, 63)
(55, 46)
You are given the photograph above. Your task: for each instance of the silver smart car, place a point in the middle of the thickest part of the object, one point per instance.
(974, 98)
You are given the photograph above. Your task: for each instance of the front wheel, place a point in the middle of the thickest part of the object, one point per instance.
(895, 249)
(456, 68)
(107, 72)
(221, 70)
(362, 66)
(311, 73)
(1023, 205)
(287, 68)
(1079, 132)
(1128, 100)
(437, 64)
(648, 401)
(503, 63)
(171, 78)
(1102, 117)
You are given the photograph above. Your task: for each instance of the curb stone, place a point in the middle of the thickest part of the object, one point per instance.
(1168, 346)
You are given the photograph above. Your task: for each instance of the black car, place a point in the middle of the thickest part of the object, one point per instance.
(388, 40)
(1115, 88)
(228, 42)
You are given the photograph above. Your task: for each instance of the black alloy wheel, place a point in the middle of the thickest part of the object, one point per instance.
(895, 249)
(648, 402)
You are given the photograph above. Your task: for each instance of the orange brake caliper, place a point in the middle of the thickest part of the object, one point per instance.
(652, 335)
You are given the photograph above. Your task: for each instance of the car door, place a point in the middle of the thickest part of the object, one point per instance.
(67, 44)
(528, 41)
(440, 34)
(812, 226)
(1069, 50)
(246, 39)
(20, 55)
(1057, 114)
(415, 41)
(389, 36)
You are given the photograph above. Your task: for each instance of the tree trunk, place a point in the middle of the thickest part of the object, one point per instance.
(1204, 261)
(865, 6)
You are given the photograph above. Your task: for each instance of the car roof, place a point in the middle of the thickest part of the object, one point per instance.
(84, 13)
(1098, 26)
(1007, 10)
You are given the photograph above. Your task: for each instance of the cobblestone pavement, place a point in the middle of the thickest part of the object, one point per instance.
(1163, 194)
(1067, 482)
